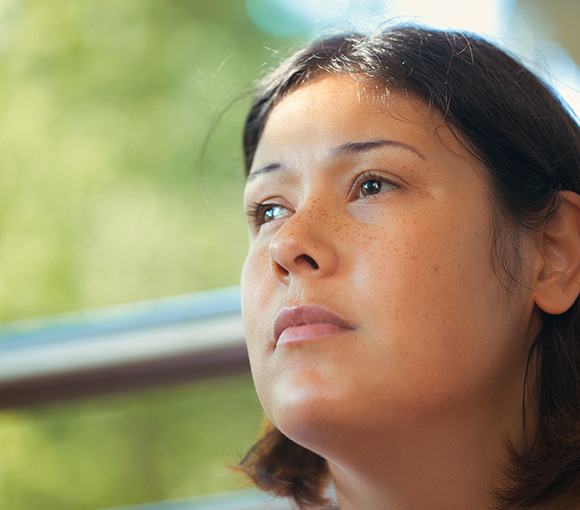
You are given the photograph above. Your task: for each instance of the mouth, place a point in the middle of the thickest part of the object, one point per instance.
(307, 322)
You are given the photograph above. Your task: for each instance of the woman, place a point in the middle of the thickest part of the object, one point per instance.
(410, 293)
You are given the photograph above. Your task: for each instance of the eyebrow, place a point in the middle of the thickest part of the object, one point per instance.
(358, 147)
(270, 167)
(341, 150)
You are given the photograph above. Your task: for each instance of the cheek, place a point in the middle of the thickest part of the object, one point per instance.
(427, 258)
(257, 294)
(409, 259)
(434, 308)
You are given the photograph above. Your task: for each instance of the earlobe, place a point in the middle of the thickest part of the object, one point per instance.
(557, 281)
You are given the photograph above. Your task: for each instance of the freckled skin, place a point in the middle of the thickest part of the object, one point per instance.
(437, 340)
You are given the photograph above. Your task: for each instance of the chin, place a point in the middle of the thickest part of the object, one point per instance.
(305, 409)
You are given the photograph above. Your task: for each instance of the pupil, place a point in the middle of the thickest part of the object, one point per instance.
(269, 214)
(273, 213)
(371, 187)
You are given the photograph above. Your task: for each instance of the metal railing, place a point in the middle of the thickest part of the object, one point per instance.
(78, 355)
(120, 348)
(249, 499)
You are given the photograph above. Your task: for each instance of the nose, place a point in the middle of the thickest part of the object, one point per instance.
(305, 246)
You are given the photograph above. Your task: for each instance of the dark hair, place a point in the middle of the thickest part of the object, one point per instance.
(530, 147)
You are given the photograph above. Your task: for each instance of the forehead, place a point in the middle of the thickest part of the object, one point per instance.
(332, 110)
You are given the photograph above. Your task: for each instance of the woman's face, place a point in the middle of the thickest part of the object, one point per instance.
(369, 297)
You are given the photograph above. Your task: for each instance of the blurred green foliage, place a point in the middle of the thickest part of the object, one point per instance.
(106, 105)
(127, 449)
(104, 199)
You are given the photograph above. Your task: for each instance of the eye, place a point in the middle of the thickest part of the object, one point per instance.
(371, 187)
(370, 183)
(265, 213)
(273, 212)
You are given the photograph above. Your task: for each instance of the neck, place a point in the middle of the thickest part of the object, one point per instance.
(440, 466)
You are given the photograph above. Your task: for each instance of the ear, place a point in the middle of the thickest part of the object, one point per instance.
(557, 281)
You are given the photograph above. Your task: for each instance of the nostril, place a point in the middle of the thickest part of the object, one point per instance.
(283, 271)
(311, 261)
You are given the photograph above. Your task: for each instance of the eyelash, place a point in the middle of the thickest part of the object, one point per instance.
(255, 213)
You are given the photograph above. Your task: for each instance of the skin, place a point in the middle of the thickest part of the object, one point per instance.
(412, 405)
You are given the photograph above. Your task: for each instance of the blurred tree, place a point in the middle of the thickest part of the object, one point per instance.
(103, 199)
(106, 106)
(128, 449)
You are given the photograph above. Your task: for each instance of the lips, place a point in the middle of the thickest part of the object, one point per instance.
(306, 322)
